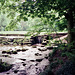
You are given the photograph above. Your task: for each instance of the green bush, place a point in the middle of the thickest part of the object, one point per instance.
(54, 65)
(54, 51)
(60, 61)
(5, 67)
(63, 54)
(69, 55)
(62, 47)
(67, 69)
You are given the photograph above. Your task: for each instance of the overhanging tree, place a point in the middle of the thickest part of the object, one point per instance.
(45, 8)
(64, 7)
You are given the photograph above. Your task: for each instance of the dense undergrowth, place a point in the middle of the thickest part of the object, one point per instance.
(5, 66)
(62, 61)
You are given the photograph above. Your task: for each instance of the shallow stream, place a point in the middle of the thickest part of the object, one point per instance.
(29, 62)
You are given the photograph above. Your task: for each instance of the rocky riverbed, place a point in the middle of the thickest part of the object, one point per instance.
(28, 60)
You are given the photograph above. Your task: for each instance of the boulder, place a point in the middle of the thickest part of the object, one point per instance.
(49, 47)
(24, 49)
(24, 64)
(34, 46)
(3, 52)
(42, 49)
(39, 59)
(44, 43)
(14, 52)
(37, 54)
(18, 50)
(23, 59)
(16, 71)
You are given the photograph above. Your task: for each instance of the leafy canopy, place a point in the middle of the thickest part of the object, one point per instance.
(22, 9)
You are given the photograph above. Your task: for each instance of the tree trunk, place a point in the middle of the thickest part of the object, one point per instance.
(70, 26)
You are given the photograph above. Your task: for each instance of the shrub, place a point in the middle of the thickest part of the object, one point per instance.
(67, 69)
(4, 66)
(54, 51)
(68, 54)
(60, 61)
(63, 54)
(54, 65)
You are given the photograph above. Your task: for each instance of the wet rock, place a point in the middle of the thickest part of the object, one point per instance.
(10, 40)
(15, 44)
(32, 60)
(8, 73)
(18, 50)
(48, 47)
(29, 44)
(39, 59)
(3, 52)
(14, 52)
(26, 43)
(42, 49)
(46, 57)
(46, 37)
(34, 46)
(5, 55)
(37, 54)
(42, 45)
(47, 41)
(21, 74)
(39, 49)
(22, 44)
(9, 52)
(44, 40)
(24, 49)
(24, 64)
(36, 64)
(23, 59)
(5, 43)
(16, 71)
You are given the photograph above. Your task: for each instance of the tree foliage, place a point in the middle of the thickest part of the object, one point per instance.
(4, 21)
(42, 8)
